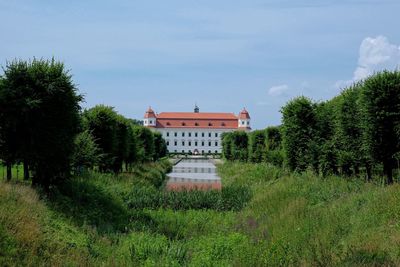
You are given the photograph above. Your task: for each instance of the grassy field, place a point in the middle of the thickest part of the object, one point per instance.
(266, 217)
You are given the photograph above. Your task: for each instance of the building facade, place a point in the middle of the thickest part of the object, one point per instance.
(195, 132)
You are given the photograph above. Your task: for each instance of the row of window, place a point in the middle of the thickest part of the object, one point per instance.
(190, 151)
(190, 134)
(195, 143)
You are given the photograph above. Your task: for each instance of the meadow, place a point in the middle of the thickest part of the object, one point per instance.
(265, 216)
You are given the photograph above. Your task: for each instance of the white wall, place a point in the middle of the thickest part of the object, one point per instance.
(171, 139)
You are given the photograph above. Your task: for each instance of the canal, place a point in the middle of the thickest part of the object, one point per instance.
(194, 173)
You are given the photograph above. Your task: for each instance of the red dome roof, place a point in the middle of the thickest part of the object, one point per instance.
(149, 114)
(244, 115)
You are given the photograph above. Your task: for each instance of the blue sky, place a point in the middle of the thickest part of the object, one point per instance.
(223, 55)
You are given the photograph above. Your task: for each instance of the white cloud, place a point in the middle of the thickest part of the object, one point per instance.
(375, 54)
(278, 90)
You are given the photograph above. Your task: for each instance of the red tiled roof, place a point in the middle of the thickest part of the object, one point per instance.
(197, 120)
(201, 123)
(244, 114)
(200, 115)
(149, 114)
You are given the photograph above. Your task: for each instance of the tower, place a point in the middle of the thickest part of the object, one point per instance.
(196, 109)
(244, 120)
(150, 119)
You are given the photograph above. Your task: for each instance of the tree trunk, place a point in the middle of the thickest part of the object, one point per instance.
(26, 170)
(9, 168)
(369, 172)
(356, 170)
(387, 169)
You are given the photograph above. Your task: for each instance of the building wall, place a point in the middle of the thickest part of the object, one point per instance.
(183, 140)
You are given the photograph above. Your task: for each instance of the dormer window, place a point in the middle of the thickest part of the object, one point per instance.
(168, 124)
(183, 124)
(196, 124)
(209, 124)
(223, 124)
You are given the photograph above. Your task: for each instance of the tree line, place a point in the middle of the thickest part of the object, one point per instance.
(256, 146)
(43, 127)
(357, 133)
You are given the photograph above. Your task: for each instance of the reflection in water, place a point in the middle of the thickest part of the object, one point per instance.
(191, 174)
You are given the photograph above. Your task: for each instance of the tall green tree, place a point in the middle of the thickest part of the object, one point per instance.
(240, 146)
(227, 145)
(86, 152)
(298, 130)
(160, 146)
(145, 144)
(257, 140)
(351, 152)
(40, 103)
(273, 146)
(381, 118)
(102, 122)
(273, 137)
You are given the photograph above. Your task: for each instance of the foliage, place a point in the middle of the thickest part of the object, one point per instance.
(257, 140)
(291, 219)
(146, 147)
(39, 118)
(86, 151)
(160, 146)
(230, 198)
(380, 99)
(298, 124)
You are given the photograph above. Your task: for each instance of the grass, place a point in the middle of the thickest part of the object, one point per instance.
(287, 220)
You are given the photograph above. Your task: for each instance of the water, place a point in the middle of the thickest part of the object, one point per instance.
(194, 173)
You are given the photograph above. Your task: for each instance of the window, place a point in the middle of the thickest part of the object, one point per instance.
(216, 143)
(176, 134)
(183, 143)
(167, 134)
(167, 143)
(209, 124)
(209, 151)
(196, 124)
(183, 151)
(202, 134)
(216, 152)
(190, 134)
(176, 150)
(195, 134)
(190, 143)
(168, 124)
(183, 134)
(209, 134)
(175, 143)
(242, 122)
(183, 124)
(248, 123)
(202, 143)
(195, 143)
(216, 134)
(209, 143)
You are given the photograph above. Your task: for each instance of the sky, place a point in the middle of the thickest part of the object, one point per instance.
(223, 55)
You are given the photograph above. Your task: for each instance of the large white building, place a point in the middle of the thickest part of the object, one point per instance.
(195, 132)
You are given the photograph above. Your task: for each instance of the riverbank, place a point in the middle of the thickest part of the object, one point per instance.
(290, 220)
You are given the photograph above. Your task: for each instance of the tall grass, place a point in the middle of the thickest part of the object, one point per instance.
(289, 220)
(229, 198)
